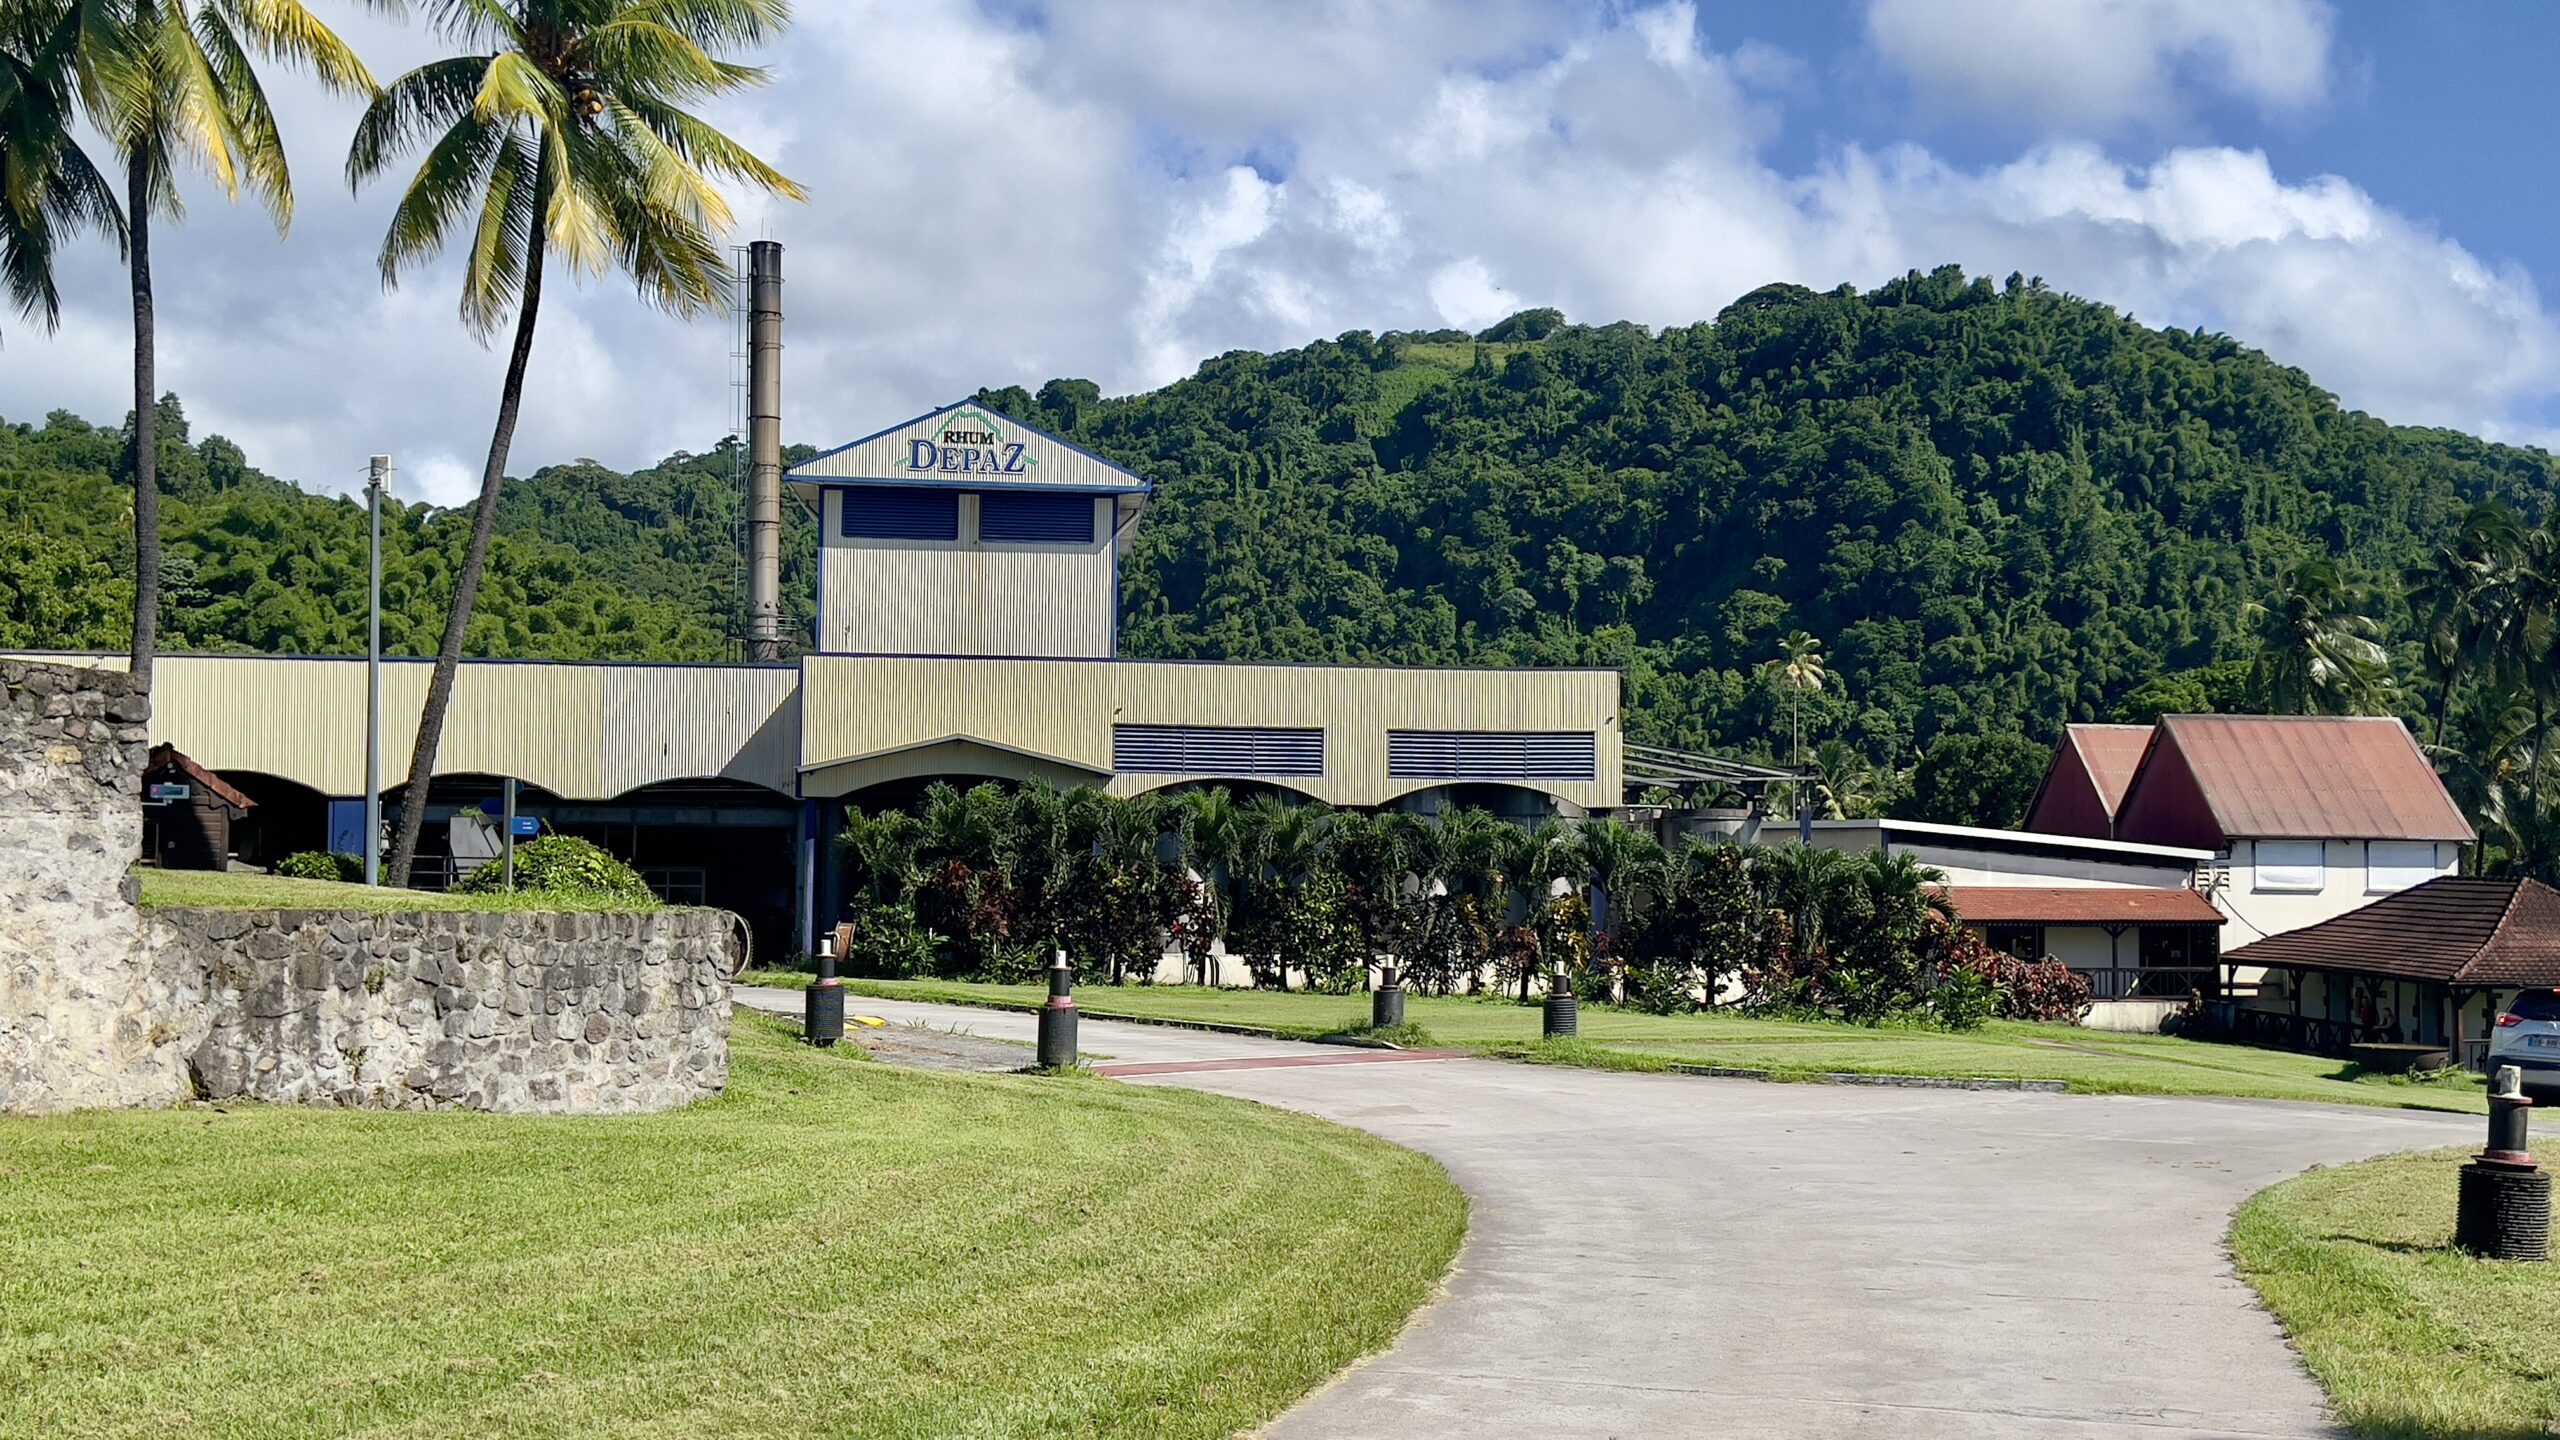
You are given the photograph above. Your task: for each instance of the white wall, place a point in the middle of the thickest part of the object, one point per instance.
(2256, 912)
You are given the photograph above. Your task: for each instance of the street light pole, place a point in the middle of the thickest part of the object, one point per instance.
(377, 481)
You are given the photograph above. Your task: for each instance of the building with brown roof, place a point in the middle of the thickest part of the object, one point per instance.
(2430, 965)
(2307, 816)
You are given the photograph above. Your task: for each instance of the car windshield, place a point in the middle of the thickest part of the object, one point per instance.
(2536, 1005)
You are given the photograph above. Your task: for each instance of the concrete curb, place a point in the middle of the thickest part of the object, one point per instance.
(1674, 1067)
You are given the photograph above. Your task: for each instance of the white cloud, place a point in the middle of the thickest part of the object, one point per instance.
(1118, 192)
(2095, 66)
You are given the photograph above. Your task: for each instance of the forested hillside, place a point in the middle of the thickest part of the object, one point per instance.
(1998, 506)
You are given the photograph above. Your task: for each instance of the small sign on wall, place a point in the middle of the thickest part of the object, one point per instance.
(172, 794)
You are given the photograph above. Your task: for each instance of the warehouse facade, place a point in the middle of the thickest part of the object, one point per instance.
(968, 599)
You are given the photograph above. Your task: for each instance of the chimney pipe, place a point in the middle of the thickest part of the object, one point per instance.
(764, 450)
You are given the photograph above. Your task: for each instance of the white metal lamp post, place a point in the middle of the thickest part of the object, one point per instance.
(377, 483)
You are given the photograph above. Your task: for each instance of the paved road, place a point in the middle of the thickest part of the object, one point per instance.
(1659, 1256)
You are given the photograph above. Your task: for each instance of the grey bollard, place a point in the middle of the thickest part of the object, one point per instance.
(1386, 1007)
(1058, 1018)
(1564, 1010)
(2503, 1210)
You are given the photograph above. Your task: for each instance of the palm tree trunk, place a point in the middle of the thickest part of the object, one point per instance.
(466, 587)
(146, 421)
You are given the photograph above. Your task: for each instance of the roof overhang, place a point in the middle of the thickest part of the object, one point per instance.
(2064, 905)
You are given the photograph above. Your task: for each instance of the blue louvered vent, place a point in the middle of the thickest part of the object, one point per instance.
(887, 512)
(1028, 517)
(1215, 750)
(1493, 755)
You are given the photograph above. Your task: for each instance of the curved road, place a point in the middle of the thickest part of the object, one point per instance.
(1672, 1256)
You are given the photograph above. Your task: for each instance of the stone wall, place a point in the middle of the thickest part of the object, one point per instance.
(518, 1012)
(84, 1020)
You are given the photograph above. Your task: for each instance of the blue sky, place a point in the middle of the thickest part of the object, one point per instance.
(1008, 190)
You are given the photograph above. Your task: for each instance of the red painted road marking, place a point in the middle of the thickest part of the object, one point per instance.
(1275, 1062)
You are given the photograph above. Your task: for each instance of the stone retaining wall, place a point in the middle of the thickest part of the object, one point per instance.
(84, 1020)
(521, 1012)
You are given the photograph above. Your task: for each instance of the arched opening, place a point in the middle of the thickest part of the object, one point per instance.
(1520, 804)
(722, 843)
(286, 817)
(449, 797)
(1241, 790)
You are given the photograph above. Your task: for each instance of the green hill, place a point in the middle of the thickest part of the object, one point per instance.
(1999, 506)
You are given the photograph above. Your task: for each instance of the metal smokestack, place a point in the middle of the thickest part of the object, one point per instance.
(764, 450)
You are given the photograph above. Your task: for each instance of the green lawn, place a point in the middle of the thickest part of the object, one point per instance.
(2414, 1340)
(834, 1248)
(2086, 1060)
(216, 890)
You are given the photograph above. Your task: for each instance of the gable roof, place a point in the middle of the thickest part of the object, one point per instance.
(165, 756)
(2354, 777)
(2084, 784)
(2111, 754)
(2459, 930)
(1001, 453)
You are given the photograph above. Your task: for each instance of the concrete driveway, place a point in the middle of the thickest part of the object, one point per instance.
(1672, 1256)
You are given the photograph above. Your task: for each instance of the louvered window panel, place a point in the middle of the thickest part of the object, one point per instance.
(1028, 517)
(1493, 755)
(1215, 750)
(887, 512)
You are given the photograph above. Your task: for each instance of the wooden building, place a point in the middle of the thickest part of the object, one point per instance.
(188, 812)
(2429, 966)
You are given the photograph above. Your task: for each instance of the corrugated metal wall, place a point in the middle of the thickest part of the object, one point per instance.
(859, 708)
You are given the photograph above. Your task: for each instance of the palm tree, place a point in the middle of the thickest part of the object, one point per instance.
(2460, 595)
(1612, 854)
(48, 187)
(158, 80)
(1849, 787)
(566, 130)
(2319, 652)
(1797, 671)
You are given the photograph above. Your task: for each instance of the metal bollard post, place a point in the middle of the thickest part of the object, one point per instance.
(822, 1022)
(2504, 1208)
(1386, 1007)
(1564, 1011)
(1058, 1018)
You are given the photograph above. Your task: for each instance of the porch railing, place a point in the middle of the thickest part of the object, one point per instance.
(2155, 982)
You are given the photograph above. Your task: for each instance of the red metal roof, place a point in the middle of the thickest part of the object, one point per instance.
(2461, 930)
(2079, 905)
(2110, 753)
(2311, 776)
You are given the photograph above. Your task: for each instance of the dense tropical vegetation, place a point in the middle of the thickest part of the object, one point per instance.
(1987, 509)
(985, 883)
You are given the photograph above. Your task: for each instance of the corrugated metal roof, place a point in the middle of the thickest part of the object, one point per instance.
(2460, 930)
(2079, 905)
(2314, 776)
(2110, 753)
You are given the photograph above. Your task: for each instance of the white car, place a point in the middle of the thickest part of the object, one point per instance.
(2528, 1037)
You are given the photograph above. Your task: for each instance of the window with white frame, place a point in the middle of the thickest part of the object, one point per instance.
(2291, 865)
(2394, 865)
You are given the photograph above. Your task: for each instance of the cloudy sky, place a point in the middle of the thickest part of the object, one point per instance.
(1002, 191)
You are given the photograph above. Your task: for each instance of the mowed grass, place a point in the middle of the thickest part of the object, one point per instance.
(2414, 1340)
(217, 890)
(835, 1247)
(2085, 1060)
